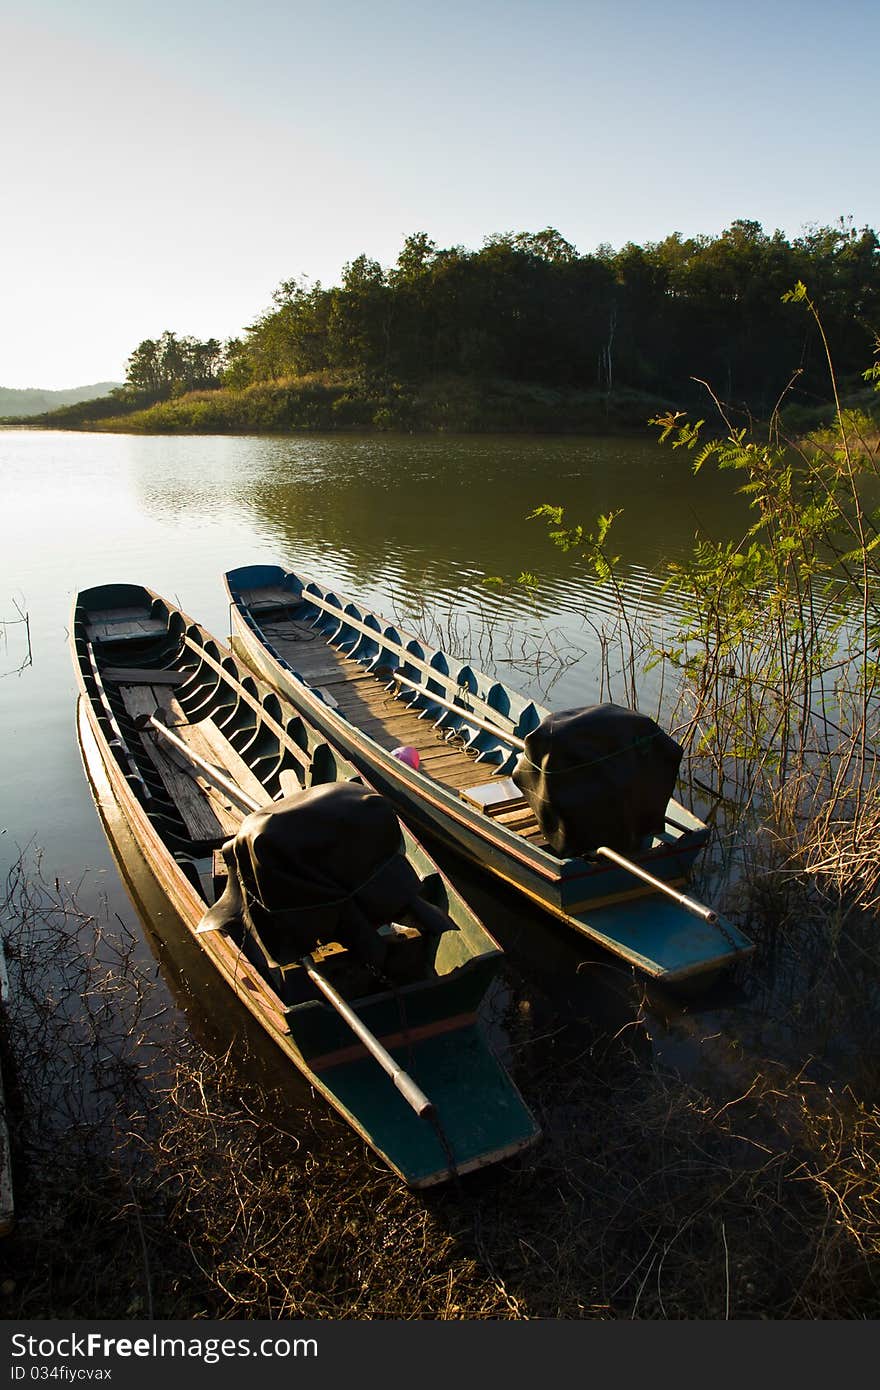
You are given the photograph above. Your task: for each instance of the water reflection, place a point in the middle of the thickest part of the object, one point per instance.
(412, 527)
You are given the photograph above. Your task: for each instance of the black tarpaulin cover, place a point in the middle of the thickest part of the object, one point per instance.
(325, 865)
(602, 775)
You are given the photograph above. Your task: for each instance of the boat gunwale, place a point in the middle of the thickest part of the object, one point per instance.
(423, 863)
(556, 870)
(263, 1003)
(127, 803)
(273, 667)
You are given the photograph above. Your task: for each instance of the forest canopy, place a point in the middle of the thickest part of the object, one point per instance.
(527, 307)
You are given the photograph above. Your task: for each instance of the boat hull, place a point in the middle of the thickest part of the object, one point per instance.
(482, 1117)
(604, 904)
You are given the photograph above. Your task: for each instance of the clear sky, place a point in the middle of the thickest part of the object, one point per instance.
(167, 162)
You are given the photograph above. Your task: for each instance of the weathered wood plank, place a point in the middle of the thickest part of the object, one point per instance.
(522, 819)
(377, 713)
(304, 651)
(364, 694)
(292, 631)
(229, 817)
(122, 615)
(363, 698)
(126, 630)
(476, 711)
(207, 739)
(204, 818)
(397, 724)
(306, 656)
(290, 783)
(357, 680)
(458, 777)
(134, 675)
(433, 751)
(305, 646)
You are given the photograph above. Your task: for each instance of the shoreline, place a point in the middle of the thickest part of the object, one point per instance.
(323, 404)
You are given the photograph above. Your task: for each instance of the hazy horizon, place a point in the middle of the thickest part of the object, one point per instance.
(60, 390)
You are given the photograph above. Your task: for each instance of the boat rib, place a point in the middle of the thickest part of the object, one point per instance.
(366, 700)
(370, 688)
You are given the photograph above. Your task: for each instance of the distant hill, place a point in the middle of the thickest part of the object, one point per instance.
(34, 401)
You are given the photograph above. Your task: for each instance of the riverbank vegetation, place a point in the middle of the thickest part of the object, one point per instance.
(153, 1180)
(523, 334)
(771, 683)
(774, 660)
(329, 401)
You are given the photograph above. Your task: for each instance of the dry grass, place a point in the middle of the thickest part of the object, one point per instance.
(153, 1180)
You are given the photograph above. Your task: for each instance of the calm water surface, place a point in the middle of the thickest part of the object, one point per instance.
(411, 526)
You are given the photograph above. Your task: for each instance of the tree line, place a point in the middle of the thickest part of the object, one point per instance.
(527, 307)
(170, 366)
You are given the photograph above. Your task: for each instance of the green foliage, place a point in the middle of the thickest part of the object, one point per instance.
(774, 624)
(87, 414)
(773, 649)
(797, 295)
(528, 308)
(546, 338)
(171, 366)
(590, 545)
(338, 400)
(674, 423)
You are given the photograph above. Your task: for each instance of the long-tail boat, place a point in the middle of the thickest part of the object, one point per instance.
(447, 743)
(325, 917)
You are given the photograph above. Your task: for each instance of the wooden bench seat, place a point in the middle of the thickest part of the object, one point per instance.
(125, 628)
(207, 812)
(265, 599)
(207, 818)
(134, 675)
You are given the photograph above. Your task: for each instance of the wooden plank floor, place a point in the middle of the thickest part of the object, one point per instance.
(363, 699)
(207, 812)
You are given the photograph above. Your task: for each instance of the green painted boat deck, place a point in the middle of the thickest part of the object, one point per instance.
(479, 1109)
(657, 935)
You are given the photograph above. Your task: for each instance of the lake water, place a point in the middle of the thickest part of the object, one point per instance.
(413, 526)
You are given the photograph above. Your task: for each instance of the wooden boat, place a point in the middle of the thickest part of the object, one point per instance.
(371, 688)
(202, 760)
